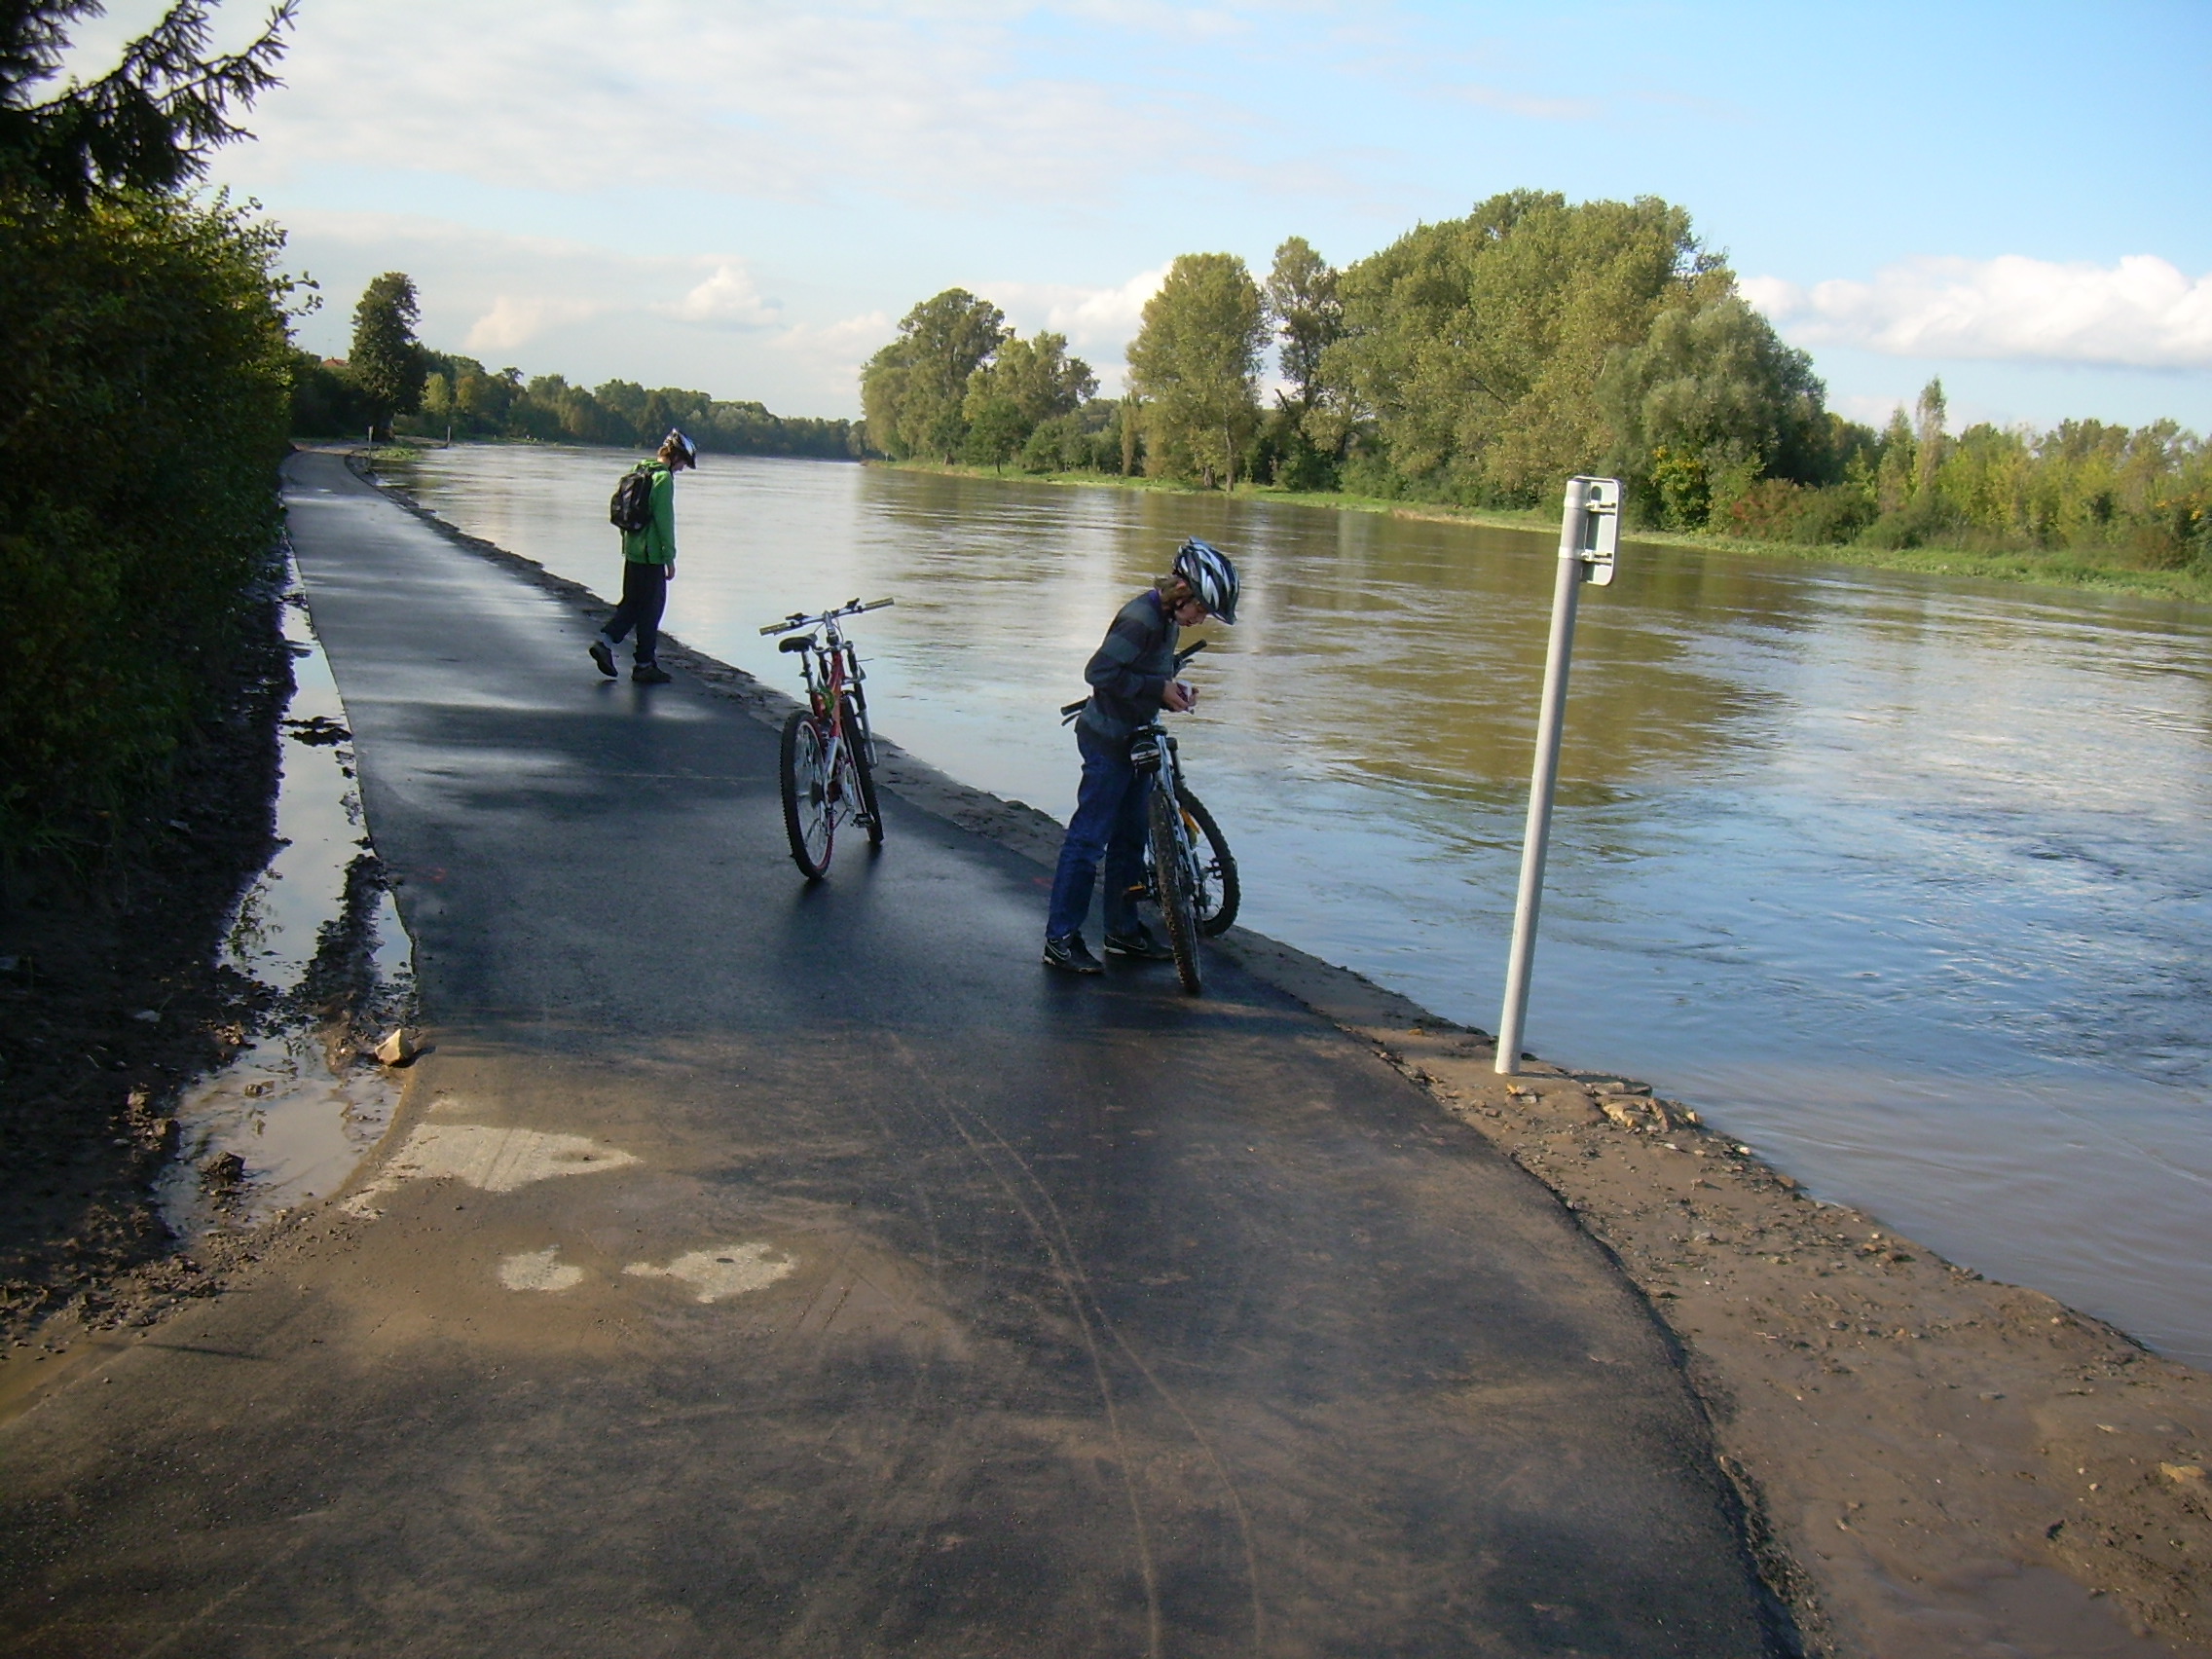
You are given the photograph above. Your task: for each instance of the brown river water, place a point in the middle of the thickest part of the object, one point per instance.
(1904, 880)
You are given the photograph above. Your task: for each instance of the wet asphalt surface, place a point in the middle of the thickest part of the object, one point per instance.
(760, 1268)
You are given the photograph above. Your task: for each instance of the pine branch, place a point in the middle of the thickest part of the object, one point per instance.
(148, 124)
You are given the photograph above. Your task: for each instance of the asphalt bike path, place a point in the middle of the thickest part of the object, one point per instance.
(765, 1268)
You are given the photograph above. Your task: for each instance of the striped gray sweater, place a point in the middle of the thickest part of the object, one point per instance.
(1129, 673)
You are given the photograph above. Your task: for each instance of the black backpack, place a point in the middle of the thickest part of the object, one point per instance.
(631, 510)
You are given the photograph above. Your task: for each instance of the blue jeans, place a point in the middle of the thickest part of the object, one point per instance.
(1108, 827)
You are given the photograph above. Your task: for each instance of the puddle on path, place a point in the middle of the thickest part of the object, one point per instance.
(303, 1102)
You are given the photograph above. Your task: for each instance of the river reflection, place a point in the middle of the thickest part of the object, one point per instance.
(1906, 881)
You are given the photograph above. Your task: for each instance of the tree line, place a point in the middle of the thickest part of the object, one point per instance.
(1481, 361)
(142, 414)
(390, 381)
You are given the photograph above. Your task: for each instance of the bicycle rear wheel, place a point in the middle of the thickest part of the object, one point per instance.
(1219, 891)
(807, 816)
(864, 774)
(1171, 883)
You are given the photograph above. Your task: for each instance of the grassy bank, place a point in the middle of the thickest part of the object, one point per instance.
(2096, 569)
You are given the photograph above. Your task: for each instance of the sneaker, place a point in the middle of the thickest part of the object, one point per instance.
(603, 657)
(1139, 945)
(1070, 955)
(650, 674)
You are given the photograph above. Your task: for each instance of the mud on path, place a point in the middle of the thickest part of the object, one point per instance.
(131, 995)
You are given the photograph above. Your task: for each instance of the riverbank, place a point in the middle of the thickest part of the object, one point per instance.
(1935, 1463)
(2098, 570)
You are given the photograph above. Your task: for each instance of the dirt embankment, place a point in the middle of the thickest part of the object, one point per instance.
(112, 1000)
(1932, 1463)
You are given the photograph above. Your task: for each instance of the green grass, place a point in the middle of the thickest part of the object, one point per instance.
(2095, 569)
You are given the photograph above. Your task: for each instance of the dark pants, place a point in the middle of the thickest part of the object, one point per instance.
(644, 596)
(1108, 827)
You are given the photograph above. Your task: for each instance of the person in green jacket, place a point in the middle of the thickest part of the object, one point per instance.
(649, 565)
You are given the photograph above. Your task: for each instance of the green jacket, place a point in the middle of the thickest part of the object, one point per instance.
(655, 544)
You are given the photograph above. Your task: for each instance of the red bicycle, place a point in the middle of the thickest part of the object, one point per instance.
(828, 753)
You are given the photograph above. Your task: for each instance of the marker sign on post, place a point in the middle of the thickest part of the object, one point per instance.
(1589, 550)
(1601, 538)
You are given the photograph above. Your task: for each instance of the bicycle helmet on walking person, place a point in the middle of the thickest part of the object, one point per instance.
(1213, 579)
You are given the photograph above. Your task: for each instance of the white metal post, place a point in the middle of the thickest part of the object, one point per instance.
(1588, 535)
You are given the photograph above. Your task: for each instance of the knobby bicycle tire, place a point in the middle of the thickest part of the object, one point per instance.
(1173, 881)
(807, 817)
(1216, 909)
(864, 773)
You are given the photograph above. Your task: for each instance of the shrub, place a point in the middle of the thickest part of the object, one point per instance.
(1913, 525)
(1833, 516)
(143, 406)
(1765, 510)
(2174, 537)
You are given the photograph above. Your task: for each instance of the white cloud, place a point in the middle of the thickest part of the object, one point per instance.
(727, 299)
(1099, 323)
(1100, 314)
(832, 352)
(516, 321)
(1527, 105)
(2142, 313)
(771, 98)
(591, 313)
(1869, 408)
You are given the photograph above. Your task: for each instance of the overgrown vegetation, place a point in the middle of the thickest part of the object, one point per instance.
(1480, 362)
(142, 413)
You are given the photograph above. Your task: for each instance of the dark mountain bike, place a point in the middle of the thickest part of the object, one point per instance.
(1189, 871)
(828, 767)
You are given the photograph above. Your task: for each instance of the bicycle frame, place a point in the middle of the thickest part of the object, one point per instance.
(842, 774)
(1178, 878)
(832, 671)
(1153, 750)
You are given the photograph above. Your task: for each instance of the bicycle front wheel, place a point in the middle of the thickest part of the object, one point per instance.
(1219, 892)
(807, 817)
(1172, 885)
(864, 774)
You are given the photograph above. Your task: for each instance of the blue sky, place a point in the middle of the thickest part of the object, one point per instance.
(744, 196)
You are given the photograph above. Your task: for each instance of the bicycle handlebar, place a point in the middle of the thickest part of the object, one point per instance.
(795, 620)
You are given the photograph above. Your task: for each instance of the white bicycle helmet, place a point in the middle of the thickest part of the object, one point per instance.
(1212, 577)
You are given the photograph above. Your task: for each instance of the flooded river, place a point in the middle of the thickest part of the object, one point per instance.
(1906, 881)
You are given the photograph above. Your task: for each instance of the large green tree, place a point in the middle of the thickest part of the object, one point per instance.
(1025, 383)
(1037, 376)
(1308, 432)
(387, 361)
(914, 392)
(1196, 363)
(1711, 403)
(1308, 315)
(1473, 346)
